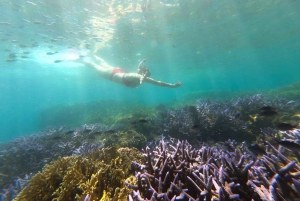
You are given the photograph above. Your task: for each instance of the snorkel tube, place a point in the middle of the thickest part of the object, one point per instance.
(143, 70)
(141, 64)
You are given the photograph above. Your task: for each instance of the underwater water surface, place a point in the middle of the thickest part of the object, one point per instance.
(235, 46)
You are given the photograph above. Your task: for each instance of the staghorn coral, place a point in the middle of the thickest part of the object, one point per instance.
(217, 121)
(28, 154)
(98, 175)
(15, 187)
(181, 172)
(237, 119)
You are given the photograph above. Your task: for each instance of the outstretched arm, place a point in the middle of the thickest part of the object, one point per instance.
(160, 83)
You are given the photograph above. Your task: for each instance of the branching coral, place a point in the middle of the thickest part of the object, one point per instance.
(237, 119)
(30, 153)
(99, 174)
(181, 172)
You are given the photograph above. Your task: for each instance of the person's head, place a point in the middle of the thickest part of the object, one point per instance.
(143, 70)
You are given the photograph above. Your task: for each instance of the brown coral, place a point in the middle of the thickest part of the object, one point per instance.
(98, 176)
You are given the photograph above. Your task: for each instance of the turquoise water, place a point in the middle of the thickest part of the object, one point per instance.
(208, 45)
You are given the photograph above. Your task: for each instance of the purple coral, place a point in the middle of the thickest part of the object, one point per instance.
(217, 121)
(181, 172)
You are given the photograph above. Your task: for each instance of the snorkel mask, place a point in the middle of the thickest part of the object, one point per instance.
(143, 70)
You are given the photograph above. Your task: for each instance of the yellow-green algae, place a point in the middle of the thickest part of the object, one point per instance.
(129, 138)
(100, 175)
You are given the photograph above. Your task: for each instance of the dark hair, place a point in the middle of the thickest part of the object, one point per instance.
(143, 70)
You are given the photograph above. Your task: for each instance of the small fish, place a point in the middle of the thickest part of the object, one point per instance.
(160, 107)
(237, 115)
(91, 137)
(268, 113)
(3, 175)
(256, 149)
(110, 131)
(29, 2)
(96, 133)
(6, 23)
(56, 138)
(51, 53)
(194, 127)
(192, 109)
(291, 102)
(142, 121)
(86, 130)
(267, 108)
(25, 20)
(289, 145)
(11, 60)
(285, 126)
(23, 45)
(37, 22)
(12, 55)
(69, 131)
(139, 121)
(58, 61)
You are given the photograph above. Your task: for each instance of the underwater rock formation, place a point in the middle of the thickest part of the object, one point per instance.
(181, 172)
(98, 175)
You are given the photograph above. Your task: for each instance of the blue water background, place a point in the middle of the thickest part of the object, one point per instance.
(208, 45)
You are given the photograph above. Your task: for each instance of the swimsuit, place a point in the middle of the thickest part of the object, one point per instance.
(119, 70)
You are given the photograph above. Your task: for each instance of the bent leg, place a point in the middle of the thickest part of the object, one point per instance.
(102, 62)
(103, 71)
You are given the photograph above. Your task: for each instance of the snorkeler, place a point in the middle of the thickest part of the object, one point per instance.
(128, 79)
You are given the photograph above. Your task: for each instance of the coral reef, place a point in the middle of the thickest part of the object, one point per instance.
(216, 121)
(99, 175)
(15, 187)
(181, 172)
(30, 153)
(129, 138)
(291, 92)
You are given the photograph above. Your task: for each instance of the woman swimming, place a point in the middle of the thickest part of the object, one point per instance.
(128, 79)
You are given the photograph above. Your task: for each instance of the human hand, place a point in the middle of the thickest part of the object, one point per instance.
(178, 84)
(142, 79)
